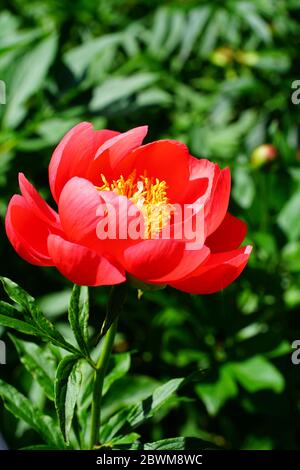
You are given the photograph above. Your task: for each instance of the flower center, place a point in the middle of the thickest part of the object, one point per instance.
(149, 194)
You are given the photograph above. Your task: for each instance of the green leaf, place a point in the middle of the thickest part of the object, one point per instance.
(121, 367)
(179, 443)
(37, 447)
(114, 306)
(122, 440)
(55, 303)
(290, 257)
(259, 26)
(243, 190)
(159, 31)
(23, 409)
(39, 364)
(214, 395)
(288, 218)
(33, 313)
(9, 310)
(19, 325)
(28, 78)
(197, 18)
(67, 386)
(79, 315)
(257, 373)
(128, 419)
(79, 58)
(145, 410)
(117, 88)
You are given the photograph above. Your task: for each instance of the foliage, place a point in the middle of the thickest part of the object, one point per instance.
(218, 76)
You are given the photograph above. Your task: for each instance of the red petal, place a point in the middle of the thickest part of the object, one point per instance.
(80, 211)
(190, 261)
(210, 186)
(27, 233)
(216, 273)
(73, 155)
(217, 205)
(110, 158)
(202, 174)
(78, 204)
(228, 236)
(166, 160)
(81, 265)
(153, 259)
(38, 205)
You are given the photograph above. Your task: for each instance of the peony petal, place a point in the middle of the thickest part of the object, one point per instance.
(153, 259)
(228, 236)
(38, 205)
(82, 207)
(81, 265)
(216, 273)
(166, 160)
(216, 208)
(73, 155)
(78, 205)
(190, 261)
(202, 173)
(210, 186)
(111, 158)
(27, 233)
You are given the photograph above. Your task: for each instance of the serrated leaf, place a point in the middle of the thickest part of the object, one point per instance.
(67, 386)
(79, 315)
(37, 362)
(23, 409)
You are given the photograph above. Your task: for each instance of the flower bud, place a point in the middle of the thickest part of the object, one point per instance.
(262, 155)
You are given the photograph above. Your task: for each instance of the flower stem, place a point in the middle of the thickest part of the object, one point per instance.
(100, 370)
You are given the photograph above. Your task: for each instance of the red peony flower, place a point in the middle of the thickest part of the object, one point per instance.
(98, 177)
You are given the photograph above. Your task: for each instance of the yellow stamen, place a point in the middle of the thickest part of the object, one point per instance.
(150, 196)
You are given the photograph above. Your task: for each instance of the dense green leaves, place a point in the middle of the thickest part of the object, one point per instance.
(218, 76)
(23, 409)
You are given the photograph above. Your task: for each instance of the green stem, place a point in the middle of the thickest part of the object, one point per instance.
(100, 371)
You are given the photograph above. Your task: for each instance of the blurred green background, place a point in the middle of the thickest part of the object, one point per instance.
(216, 75)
